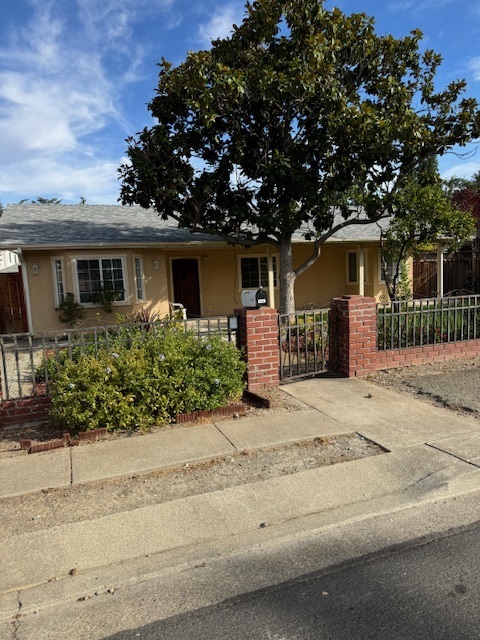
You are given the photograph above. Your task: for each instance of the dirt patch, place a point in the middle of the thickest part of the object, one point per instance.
(453, 384)
(53, 507)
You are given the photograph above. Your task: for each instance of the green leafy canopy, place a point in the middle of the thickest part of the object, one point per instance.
(269, 130)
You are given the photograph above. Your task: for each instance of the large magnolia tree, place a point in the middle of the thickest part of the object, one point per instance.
(265, 133)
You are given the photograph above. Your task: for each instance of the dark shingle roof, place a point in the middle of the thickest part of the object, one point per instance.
(36, 225)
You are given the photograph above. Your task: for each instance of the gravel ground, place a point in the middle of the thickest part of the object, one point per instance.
(454, 384)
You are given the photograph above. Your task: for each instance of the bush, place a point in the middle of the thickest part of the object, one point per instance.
(146, 378)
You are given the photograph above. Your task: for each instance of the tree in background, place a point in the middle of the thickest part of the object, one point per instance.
(465, 194)
(40, 200)
(425, 214)
(267, 132)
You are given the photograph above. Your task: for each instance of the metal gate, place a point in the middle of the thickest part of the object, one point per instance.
(303, 343)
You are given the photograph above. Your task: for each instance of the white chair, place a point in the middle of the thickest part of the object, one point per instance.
(177, 310)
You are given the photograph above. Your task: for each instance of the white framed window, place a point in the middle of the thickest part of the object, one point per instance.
(254, 272)
(353, 264)
(58, 280)
(96, 274)
(139, 278)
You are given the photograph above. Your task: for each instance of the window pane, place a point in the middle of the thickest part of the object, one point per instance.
(89, 281)
(112, 274)
(263, 272)
(95, 274)
(139, 279)
(352, 267)
(250, 273)
(255, 272)
(60, 292)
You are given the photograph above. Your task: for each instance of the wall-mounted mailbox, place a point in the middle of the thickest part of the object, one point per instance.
(254, 298)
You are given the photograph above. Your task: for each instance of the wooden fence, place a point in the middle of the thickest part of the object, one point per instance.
(461, 273)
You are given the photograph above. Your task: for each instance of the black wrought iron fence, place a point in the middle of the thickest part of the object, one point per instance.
(417, 323)
(303, 343)
(30, 360)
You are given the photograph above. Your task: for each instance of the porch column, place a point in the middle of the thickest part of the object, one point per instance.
(361, 272)
(271, 284)
(440, 270)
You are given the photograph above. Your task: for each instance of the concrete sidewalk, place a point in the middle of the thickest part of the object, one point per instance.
(334, 406)
(433, 454)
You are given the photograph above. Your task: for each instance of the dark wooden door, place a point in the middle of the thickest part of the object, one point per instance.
(186, 285)
(13, 317)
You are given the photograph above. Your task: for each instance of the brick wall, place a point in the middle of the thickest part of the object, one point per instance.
(353, 342)
(20, 410)
(393, 358)
(258, 336)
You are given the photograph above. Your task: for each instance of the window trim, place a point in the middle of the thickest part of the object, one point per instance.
(99, 257)
(56, 292)
(143, 297)
(275, 260)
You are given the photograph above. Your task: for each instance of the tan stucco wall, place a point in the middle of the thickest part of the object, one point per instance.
(220, 291)
(41, 286)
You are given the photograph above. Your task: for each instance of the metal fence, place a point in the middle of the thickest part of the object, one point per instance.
(417, 323)
(303, 343)
(25, 357)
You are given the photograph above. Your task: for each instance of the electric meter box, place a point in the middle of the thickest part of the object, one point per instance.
(254, 298)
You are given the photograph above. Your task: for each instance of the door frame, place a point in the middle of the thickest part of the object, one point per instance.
(172, 289)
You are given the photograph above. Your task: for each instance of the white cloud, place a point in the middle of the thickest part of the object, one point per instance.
(401, 6)
(220, 24)
(63, 178)
(474, 66)
(62, 75)
(463, 170)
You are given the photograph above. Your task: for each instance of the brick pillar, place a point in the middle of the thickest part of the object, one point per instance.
(353, 335)
(258, 336)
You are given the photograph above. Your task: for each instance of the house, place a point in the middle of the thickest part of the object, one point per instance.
(152, 263)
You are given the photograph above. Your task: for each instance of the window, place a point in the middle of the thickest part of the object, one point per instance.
(58, 284)
(353, 266)
(139, 279)
(94, 275)
(254, 272)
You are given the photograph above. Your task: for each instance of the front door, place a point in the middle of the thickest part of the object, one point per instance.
(186, 285)
(13, 317)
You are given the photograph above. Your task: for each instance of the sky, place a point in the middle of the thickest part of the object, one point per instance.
(76, 76)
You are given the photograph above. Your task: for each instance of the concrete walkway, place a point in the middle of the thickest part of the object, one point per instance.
(433, 454)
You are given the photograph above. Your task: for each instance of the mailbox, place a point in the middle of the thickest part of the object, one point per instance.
(254, 298)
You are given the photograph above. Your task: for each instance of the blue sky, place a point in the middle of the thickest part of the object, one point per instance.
(75, 77)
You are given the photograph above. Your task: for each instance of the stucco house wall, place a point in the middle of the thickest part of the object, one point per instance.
(49, 238)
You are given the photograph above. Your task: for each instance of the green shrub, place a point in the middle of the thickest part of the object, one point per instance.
(145, 378)
(70, 310)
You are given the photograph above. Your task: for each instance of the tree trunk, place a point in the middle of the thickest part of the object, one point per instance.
(287, 277)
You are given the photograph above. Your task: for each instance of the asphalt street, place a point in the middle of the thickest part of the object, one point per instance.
(425, 591)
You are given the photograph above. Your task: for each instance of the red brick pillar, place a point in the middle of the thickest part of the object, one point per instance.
(258, 336)
(353, 335)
